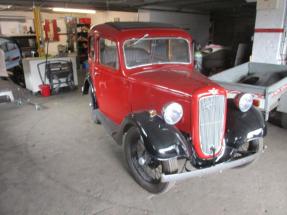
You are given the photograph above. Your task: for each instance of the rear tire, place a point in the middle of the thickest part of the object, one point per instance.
(143, 173)
(284, 120)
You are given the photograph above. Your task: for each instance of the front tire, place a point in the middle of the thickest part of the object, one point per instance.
(251, 147)
(145, 170)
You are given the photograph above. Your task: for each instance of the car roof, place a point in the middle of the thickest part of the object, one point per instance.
(138, 25)
(124, 30)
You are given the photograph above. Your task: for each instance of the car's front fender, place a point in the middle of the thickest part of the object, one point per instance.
(242, 127)
(161, 140)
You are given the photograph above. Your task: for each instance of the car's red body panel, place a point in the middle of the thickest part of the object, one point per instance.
(123, 91)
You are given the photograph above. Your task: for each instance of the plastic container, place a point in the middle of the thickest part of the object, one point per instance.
(86, 21)
(45, 90)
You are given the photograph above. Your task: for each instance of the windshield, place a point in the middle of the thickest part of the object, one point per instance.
(147, 51)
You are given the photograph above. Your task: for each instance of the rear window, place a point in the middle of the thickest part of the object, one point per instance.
(109, 53)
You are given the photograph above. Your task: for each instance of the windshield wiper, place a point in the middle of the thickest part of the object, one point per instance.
(138, 40)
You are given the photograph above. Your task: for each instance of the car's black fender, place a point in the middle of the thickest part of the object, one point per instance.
(161, 140)
(87, 83)
(243, 126)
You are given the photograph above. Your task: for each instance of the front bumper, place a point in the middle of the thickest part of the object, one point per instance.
(213, 169)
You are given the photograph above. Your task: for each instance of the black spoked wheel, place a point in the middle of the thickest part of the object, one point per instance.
(251, 147)
(93, 107)
(146, 170)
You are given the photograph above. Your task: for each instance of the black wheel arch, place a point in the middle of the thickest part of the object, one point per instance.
(243, 126)
(161, 140)
(87, 83)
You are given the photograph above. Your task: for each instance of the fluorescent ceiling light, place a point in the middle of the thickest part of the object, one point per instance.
(5, 6)
(12, 18)
(73, 10)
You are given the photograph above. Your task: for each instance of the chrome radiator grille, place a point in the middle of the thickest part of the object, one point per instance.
(211, 123)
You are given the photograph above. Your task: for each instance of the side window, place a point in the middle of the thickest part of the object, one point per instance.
(92, 47)
(179, 50)
(108, 53)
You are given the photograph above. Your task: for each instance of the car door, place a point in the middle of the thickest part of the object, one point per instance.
(113, 85)
(92, 59)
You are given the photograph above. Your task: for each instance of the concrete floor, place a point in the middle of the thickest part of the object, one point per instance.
(56, 161)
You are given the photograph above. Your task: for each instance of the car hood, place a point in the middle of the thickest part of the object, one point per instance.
(178, 81)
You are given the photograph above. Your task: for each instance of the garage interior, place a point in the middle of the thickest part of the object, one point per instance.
(55, 160)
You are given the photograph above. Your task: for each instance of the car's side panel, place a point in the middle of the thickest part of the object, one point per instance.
(94, 75)
(113, 89)
(110, 86)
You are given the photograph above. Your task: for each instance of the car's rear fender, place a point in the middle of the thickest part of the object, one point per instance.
(87, 83)
(243, 126)
(161, 140)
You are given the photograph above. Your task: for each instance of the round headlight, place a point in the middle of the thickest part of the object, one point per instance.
(244, 101)
(172, 113)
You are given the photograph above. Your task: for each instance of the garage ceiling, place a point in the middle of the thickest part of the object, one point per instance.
(134, 5)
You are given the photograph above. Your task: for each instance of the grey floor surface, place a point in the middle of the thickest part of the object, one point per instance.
(56, 161)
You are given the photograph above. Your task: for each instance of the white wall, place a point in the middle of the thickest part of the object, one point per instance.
(198, 24)
(15, 27)
(110, 16)
(268, 47)
(53, 46)
(98, 18)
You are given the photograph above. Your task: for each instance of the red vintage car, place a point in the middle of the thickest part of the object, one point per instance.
(174, 123)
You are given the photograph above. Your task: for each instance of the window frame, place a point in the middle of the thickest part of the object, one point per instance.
(92, 37)
(116, 51)
(151, 64)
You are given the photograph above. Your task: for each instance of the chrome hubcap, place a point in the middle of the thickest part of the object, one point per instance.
(141, 161)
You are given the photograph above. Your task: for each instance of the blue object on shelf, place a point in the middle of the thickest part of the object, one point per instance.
(86, 65)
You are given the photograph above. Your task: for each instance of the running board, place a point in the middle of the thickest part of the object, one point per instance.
(109, 125)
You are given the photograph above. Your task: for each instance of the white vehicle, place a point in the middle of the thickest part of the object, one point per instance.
(12, 52)
(266, 82)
